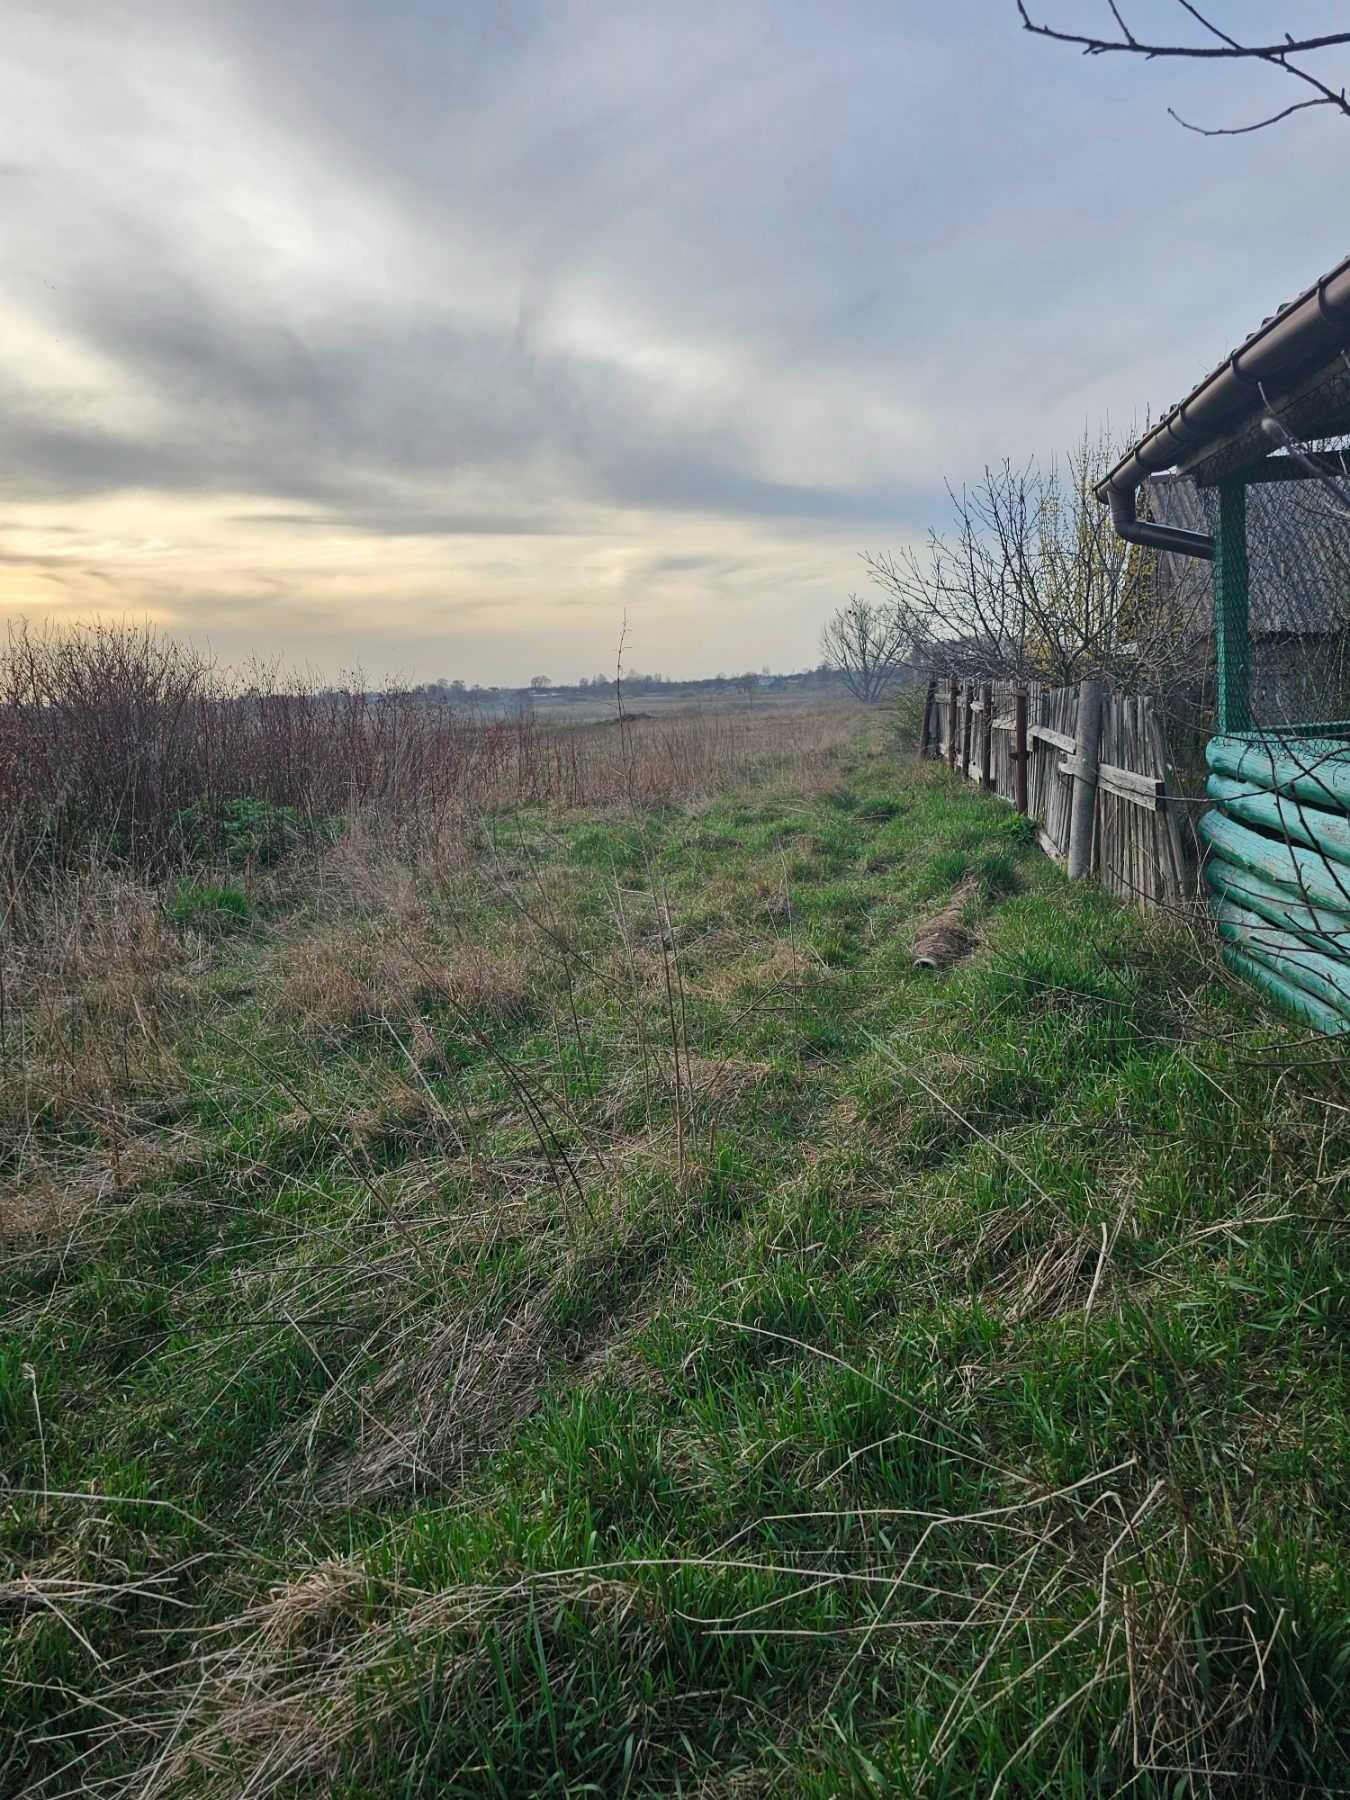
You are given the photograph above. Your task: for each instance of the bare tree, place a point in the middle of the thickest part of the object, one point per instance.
(1219, 46)
(1032, 582)
(866, 642)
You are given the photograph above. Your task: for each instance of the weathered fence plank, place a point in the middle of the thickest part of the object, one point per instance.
(1022, 742)
(1058, 740)
(951, 724)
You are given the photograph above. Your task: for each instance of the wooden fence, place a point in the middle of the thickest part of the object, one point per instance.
(1089, 767)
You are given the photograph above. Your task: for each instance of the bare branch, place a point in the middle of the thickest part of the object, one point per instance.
(1230, 50)
(1226, 48)
(1243, 130)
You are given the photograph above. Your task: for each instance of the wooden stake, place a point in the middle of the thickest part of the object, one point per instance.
(1232, 646)
(1083, 813)
(929, 698)
(951, 724)
(1019, 753)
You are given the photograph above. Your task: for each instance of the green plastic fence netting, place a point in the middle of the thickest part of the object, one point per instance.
(1289, 669)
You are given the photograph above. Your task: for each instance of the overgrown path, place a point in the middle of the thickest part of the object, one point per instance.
(585, 1315)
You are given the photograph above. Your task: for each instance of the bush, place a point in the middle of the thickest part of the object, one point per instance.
(243, 830)
(1019, 828)
(907, 714)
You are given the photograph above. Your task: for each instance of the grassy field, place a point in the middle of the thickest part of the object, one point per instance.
(569, 707)
(575, 1312)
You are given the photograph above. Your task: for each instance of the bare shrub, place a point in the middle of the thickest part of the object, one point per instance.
(118, 743)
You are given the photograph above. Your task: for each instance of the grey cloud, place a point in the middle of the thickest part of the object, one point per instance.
(401, 522)
(338, 422)
(857, 216)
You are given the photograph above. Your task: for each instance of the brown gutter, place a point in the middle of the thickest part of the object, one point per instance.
(1134, 530)
(1309, 330)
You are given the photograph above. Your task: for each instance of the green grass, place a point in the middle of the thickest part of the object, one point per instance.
(210, 906)
(649, 1339)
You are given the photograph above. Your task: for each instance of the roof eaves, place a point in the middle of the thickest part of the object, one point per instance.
(1272, 365)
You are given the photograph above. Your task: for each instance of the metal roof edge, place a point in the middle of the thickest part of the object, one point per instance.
(1310, 329)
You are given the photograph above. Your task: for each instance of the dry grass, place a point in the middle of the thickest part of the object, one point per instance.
(762, 970)
(305, 1681)
(94, 997)
(59, 1195)
(286, 1714)
(99, 959)
(344, 977)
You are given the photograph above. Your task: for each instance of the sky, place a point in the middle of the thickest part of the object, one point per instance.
(435, 340)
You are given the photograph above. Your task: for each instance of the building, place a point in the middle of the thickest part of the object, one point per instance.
(1246, 475)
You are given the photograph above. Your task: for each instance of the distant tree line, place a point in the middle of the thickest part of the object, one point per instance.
(634, 682)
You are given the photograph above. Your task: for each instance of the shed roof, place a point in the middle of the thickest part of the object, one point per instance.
(1295, 364)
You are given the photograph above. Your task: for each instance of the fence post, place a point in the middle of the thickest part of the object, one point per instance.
(1087, 757)
(967, 692)
(1232, 644)
(987, 740)
(1020, 746)
(951, 724)
(927, 715)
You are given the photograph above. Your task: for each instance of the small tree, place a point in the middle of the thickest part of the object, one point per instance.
(866, 643)
(1032, 582)
(540, 682)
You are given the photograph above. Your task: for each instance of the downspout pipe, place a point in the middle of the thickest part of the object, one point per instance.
(1134, 530)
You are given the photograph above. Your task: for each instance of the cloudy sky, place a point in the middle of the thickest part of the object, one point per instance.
(431, 336)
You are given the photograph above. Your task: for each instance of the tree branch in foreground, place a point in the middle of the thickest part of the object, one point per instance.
(1225, 48)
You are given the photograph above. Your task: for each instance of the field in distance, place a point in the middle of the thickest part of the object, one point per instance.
(595, 704)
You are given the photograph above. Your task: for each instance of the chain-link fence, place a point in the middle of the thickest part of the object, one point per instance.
(1283, 545)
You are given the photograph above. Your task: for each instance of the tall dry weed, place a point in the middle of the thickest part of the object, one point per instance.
(91, 989)
(387, 967)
